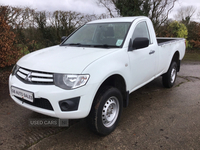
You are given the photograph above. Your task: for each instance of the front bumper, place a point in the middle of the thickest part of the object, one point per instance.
(53, 95)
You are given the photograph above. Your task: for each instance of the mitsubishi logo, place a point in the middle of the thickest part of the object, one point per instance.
(28, 77)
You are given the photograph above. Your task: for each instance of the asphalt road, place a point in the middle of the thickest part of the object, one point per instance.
(156, 118)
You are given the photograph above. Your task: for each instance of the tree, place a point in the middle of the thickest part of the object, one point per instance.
(194, 34)
(156, 10)
(164, 29)
(41, 21)
(198, 15)
(8, 52)
(177, 29)
(110, 7)
(159, 12)
(184, 14)
(65, 22)
(129, 7)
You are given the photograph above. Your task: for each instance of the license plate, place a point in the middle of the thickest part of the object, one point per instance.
(22, 94)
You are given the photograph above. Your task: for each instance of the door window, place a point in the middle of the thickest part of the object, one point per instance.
(141, 31)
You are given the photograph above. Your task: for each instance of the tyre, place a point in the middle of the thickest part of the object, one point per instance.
(106, 111)
(169, 77)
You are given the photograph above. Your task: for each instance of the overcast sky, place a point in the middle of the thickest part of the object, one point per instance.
(83, 6)
(184, 3)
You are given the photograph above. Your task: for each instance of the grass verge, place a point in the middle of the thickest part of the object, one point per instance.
(192, 55)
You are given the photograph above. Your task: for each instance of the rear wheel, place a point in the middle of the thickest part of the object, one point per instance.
(106, 110)
(169, 77)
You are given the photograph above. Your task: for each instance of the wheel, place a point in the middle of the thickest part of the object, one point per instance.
(169, 77)
(106, 111)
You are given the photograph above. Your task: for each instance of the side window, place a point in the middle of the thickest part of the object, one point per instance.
(141, 30)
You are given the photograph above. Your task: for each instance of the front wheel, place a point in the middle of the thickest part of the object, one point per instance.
(169, 77)
(106, 110)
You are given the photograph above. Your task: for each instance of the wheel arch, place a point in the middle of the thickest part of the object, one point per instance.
(118, 82)
(176, 58)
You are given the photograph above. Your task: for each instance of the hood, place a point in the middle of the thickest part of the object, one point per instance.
(61, 59)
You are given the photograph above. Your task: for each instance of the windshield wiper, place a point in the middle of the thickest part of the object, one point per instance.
(74, 44)
(99, 46)
(79, 45)
(106, 46)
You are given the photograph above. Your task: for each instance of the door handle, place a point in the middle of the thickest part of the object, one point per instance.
(151, 52)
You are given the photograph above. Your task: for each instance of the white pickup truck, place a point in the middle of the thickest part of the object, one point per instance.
(93, 71)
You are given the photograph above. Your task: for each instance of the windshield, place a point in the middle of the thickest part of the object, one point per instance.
(106, 35)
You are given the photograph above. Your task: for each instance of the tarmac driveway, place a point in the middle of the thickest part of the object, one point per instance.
(156, 118)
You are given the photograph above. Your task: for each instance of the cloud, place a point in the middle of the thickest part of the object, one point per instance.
(83, 6)
(185, 3)
(86, 6)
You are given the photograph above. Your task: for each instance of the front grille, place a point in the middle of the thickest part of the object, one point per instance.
(38, 102)
(34, 77)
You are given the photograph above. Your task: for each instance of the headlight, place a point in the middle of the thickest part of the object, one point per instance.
(70, 81)
(14, 69)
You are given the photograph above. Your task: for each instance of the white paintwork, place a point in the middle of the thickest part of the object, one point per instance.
(136, 67)
(61, 59)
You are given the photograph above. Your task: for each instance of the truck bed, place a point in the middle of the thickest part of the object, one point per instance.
(162, 40)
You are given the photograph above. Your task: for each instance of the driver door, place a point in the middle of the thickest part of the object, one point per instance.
(142, 61)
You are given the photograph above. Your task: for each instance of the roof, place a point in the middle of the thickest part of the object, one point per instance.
(120, 19)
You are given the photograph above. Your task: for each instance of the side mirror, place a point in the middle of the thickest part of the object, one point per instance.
(63, 38)
(140, 43)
